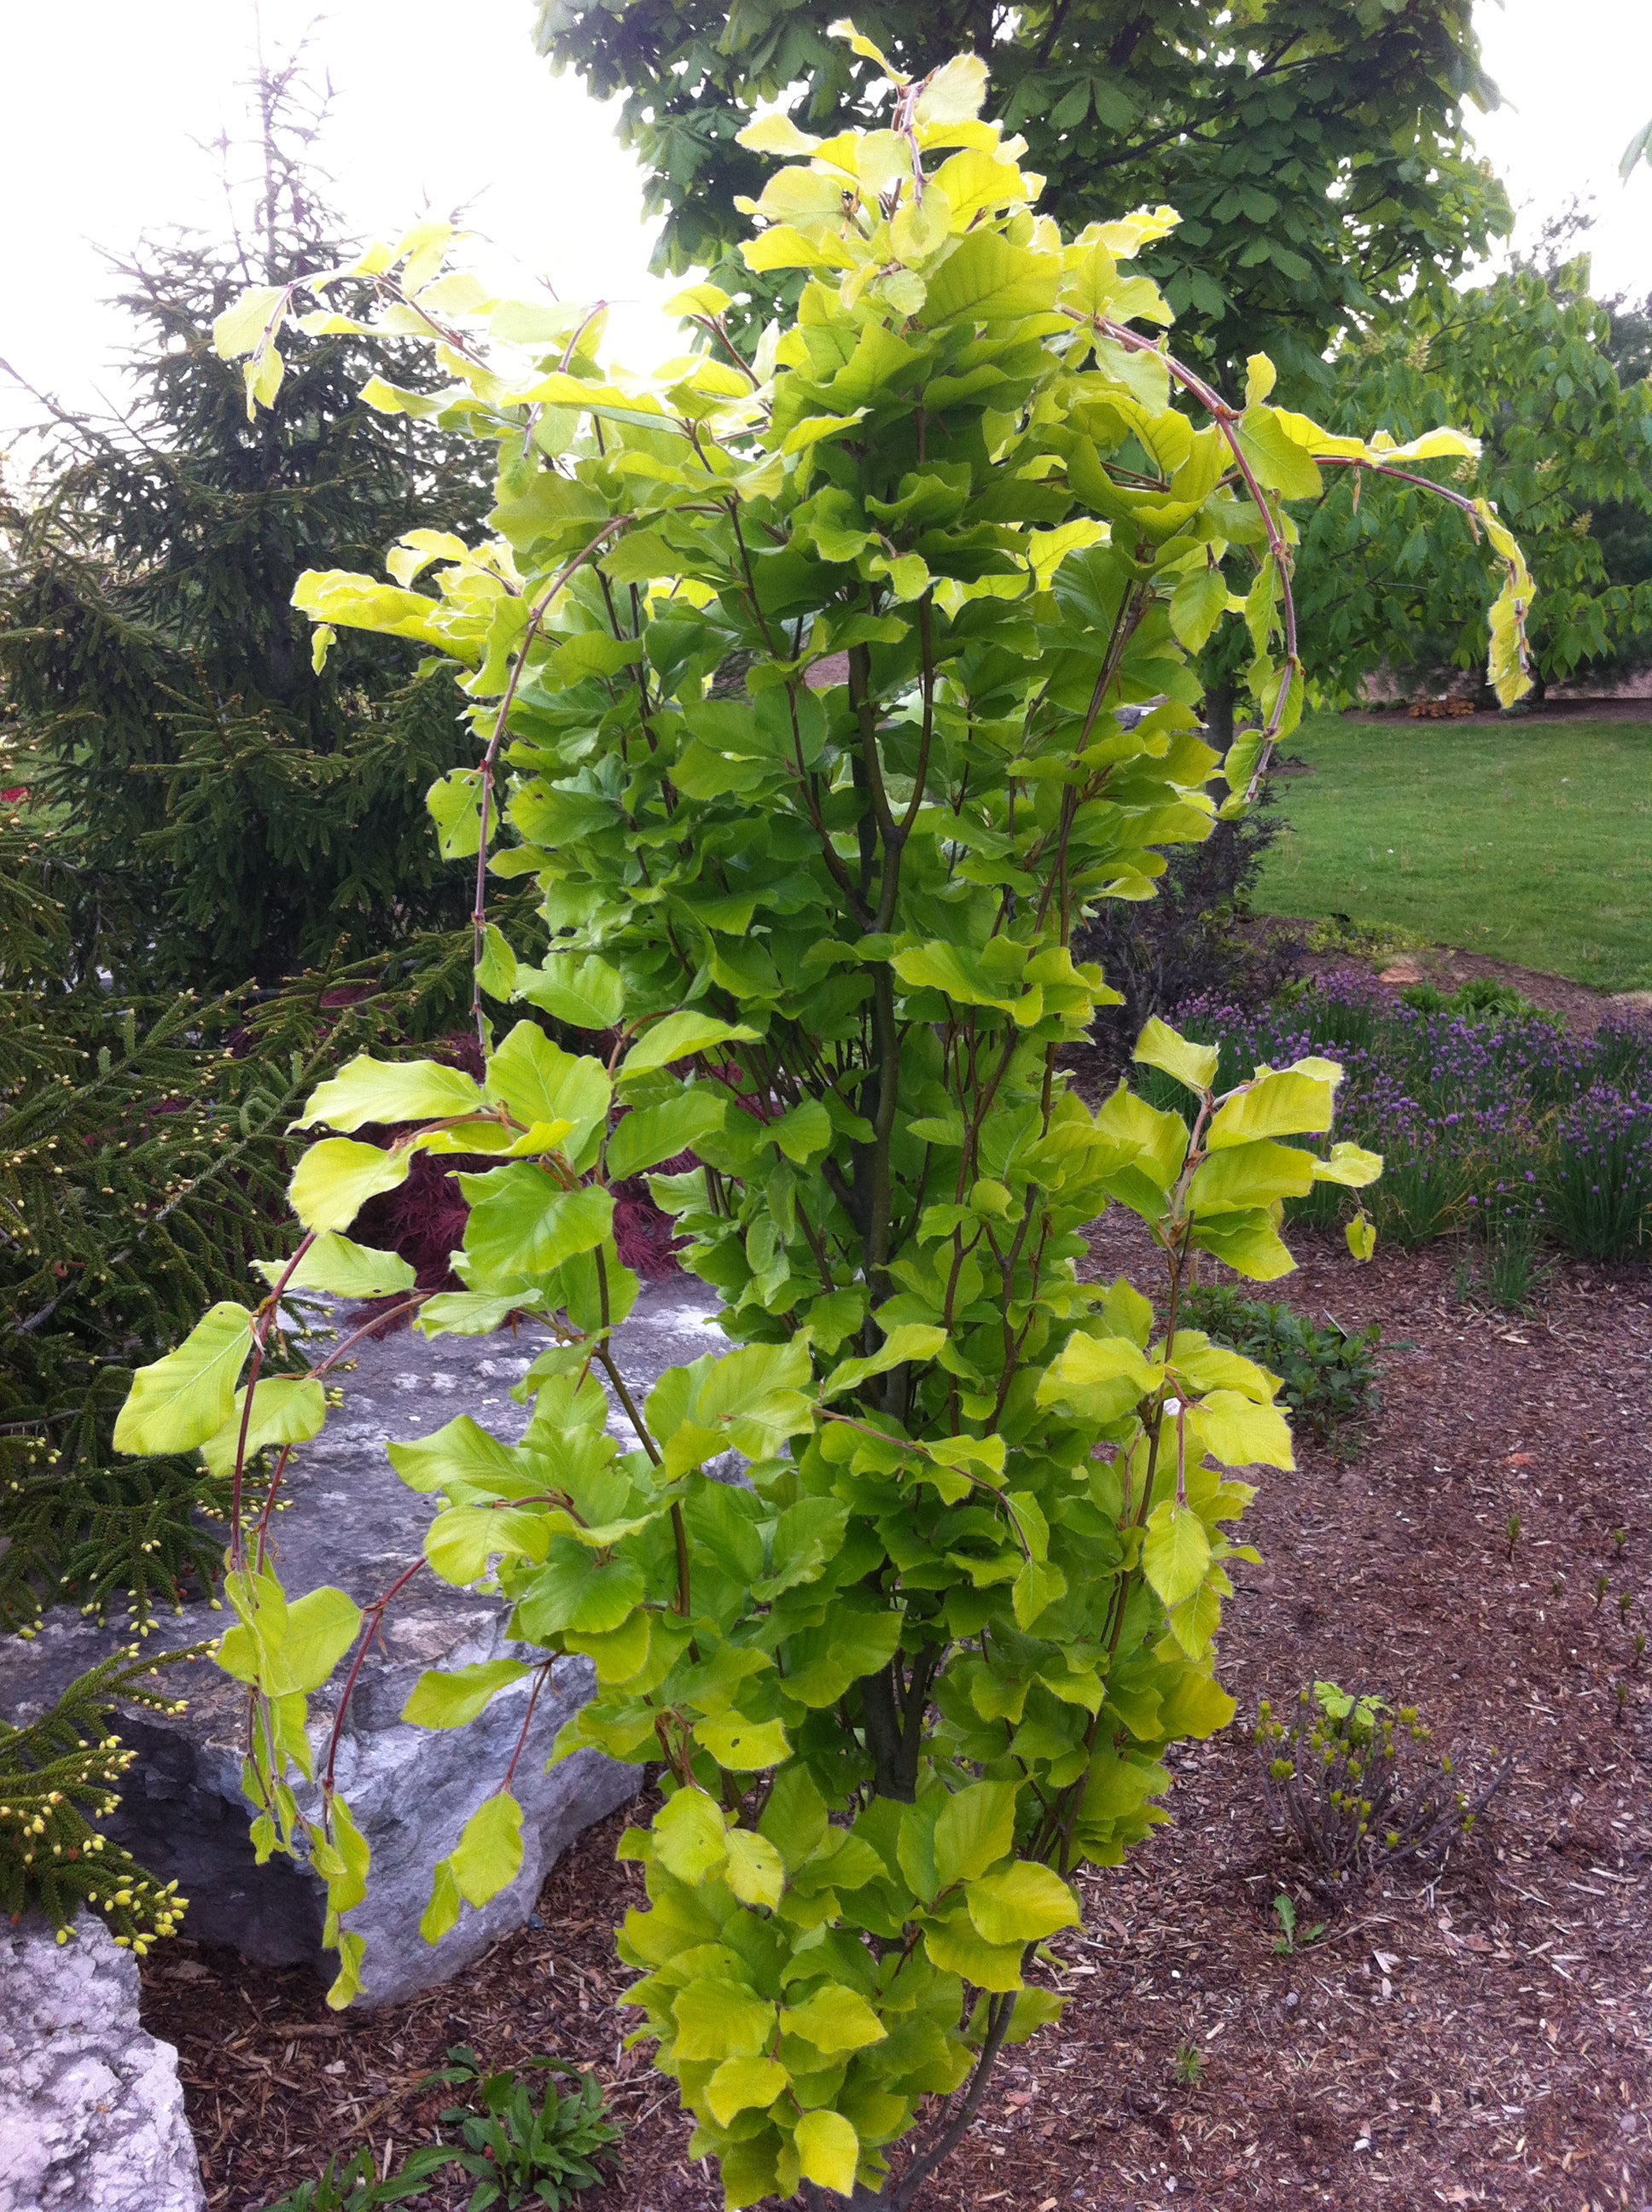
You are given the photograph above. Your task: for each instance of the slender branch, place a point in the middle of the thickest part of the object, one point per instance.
(479, 914)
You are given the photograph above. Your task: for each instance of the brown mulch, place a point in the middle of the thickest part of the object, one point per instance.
(1484, 2038)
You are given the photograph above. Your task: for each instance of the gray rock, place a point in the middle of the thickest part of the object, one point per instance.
(351, 1523)
(91, 2111)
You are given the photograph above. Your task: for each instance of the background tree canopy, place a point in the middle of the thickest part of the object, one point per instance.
(1314, 149)
(1528, 363)
(216, 806)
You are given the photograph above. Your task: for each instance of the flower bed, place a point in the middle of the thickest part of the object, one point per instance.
(1484, 1118)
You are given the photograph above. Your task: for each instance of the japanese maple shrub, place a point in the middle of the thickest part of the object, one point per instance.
(922, 1663)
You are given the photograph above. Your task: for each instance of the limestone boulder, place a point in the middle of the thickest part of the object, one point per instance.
(91, 2109)
(351, 1523)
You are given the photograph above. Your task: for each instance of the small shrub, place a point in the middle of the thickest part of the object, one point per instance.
(1350, 1781)
(1327, 1373)
(524, 2151)
(356, 2186)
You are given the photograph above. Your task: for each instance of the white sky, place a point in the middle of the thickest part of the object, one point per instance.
(438, 105)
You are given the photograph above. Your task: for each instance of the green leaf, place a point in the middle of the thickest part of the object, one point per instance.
(679, 1036)
(741, 1745)
(488, 1855)
(1100, 1377)
(741, 2085)
(577, 1590)
(756, 1872)
(828, 2151)
(460, 1451)
(1021, 1904)
(287, 1409)
(336, 1178)
(834, 2019)
(579, 989)
(343, 1270)
(975, 1829)
(1351, 1166)
(690, 1836)
(1193, 1066)
(649, 1134)
(1288, 1103)
(453, 802)
(449, 1701)
(318, 1630)
(1176, 1553)
(1247, 1243)
(179, 1402)
(1243, 1175)
(524, 1223)
(1239, 1432)
(1199, 603)
(241, 328)
(719, 2018)
(539, 1085)
(469, 1313)
(1361, 1236)
(989, 280)
(442, 1912)
(917, 1342)
(1279, 463)
(957, 1946)
(388, 1091)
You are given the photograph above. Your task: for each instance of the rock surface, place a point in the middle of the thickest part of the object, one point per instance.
(351, 1523)
(91, 2110)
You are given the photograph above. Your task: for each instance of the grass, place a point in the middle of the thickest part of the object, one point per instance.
(1529, 842)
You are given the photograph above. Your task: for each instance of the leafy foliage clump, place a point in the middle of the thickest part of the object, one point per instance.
(1318, 153)
(58, 1778)
(1349, 1780)
(1326, 1374)
(355, 2184)
(523, 2149)
(1525, 361)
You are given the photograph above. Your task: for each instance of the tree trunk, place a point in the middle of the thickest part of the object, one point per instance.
(1218, 714)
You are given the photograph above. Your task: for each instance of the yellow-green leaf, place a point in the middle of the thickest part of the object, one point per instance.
(176, 1402)
(829, 2151)
(336, 1178)
(1020, 1904)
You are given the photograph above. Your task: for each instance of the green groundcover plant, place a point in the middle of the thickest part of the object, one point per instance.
(922, 1663)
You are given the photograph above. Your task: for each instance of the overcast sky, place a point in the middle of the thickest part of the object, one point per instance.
(438, 105)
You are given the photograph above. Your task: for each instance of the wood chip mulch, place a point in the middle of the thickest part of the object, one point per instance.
(1484, 2038)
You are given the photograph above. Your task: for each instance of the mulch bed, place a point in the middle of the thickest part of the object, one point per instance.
(1484, 2038)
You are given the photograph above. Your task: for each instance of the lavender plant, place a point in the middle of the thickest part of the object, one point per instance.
(1492, 1122)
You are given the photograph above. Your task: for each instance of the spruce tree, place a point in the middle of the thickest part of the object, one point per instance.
(221, 808)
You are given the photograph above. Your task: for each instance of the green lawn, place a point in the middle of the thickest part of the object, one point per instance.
(1530, 841)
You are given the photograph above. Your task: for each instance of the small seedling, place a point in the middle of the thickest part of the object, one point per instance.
(1189, 2065)
(1623, 1701)
(1512, 1531)
(1625, 1606)
(1640, 1649)
(1288, 1942)
(1602, 1584)
(1621, 1538)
